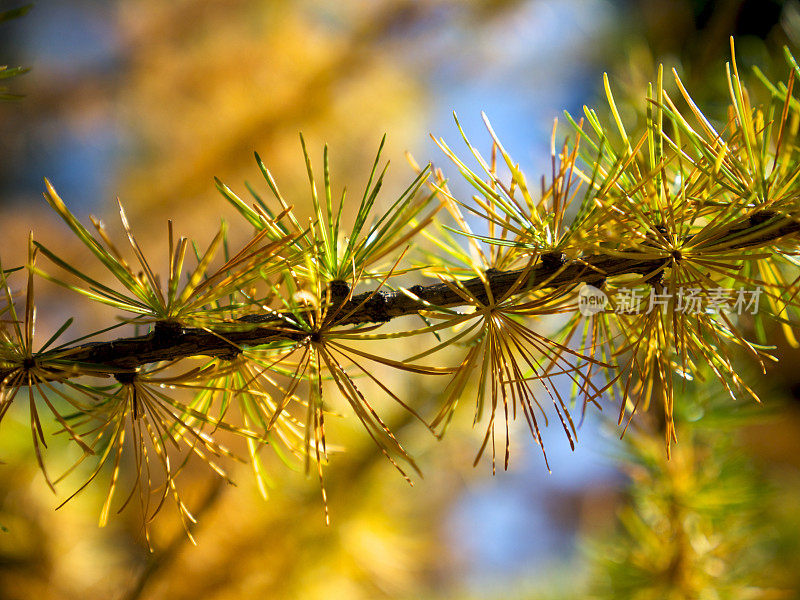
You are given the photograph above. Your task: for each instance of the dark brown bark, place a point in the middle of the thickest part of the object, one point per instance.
(171, 343)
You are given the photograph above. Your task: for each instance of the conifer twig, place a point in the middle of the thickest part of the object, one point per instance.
(553, 271)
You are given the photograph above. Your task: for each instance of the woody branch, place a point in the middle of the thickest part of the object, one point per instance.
(167, 343)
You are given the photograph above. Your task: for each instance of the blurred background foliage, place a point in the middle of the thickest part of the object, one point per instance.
(147, 100)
